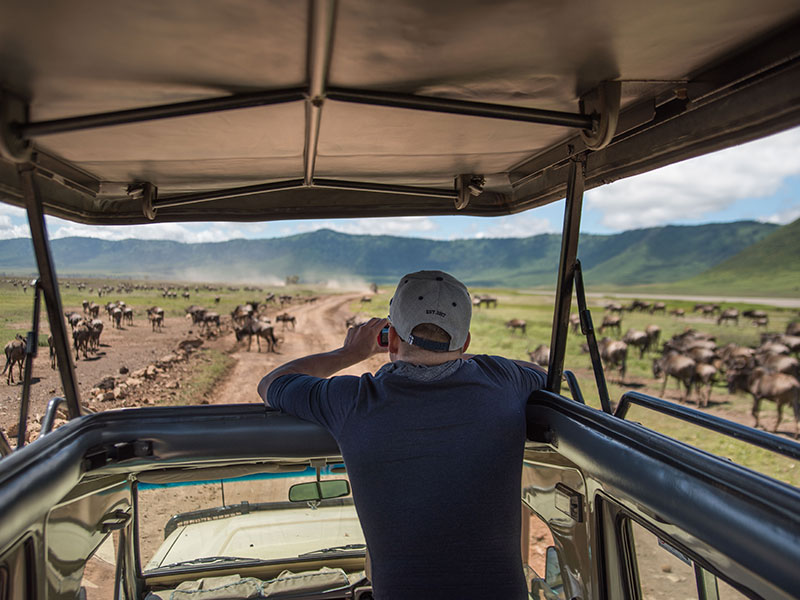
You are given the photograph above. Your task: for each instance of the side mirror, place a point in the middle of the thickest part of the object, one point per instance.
(552, 568)
(314, 491)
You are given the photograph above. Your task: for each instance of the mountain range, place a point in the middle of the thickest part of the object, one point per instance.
(721, 254)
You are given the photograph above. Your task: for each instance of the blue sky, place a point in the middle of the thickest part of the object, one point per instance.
(759, 180)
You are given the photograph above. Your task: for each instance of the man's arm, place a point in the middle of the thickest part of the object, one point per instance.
(361, 343)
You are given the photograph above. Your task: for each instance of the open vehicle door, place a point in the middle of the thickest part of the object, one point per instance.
(168, 111)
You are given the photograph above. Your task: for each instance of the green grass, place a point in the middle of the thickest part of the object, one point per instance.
(210, 367)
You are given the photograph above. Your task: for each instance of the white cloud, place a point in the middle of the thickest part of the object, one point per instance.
(177, 232)
(698, 188)
(516, 226)
(783, 217)
(402, 226)
(9, 231)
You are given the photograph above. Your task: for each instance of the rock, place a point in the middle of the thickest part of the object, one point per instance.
(120, 393)
(108, 397)
(123, 370)
(173, 385)
(108, 383)
(166, 361)
(139, 373)
(150, 372)
(190, 344)
(13, 431)
(133, 382)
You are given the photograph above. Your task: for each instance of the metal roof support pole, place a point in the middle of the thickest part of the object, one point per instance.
(49, 284)
(566, 274)
(320, 38)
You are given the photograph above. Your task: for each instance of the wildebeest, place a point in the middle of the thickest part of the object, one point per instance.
(614, 354)
(127, 315)
(541, 355)
(254, 327)
(156, 316)
(653, 334)
(80, 340)
(52, 348)
(678, 366)
(95, 329)
(778, 387)
(515, 324)
(704, 375)
(729, 314)
(116, 317)
(286, 318)
(658, 307)
(611, 322)
(639, 339)
(242, 313)
(15, 355)
(73, 318)
(677, 312)
(575, 322)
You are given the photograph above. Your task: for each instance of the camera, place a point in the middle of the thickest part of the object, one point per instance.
(383, 337)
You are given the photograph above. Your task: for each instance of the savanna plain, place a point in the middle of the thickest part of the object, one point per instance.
(186, 361)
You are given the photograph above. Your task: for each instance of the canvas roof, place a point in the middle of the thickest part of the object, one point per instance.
(695, 77)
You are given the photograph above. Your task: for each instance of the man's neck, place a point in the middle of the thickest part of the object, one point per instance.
(427, 359)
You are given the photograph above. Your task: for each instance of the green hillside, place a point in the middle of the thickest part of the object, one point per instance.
(660, 255)
(770, 266)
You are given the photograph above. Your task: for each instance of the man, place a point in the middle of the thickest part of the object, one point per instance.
(433, 444)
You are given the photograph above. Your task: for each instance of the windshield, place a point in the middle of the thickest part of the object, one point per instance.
(240, 520)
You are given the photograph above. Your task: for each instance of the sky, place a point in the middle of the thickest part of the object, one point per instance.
(755, 181)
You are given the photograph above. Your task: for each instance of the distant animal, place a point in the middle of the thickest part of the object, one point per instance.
(515, 324)
(15, 355)
(210, 318)
(574, 322)
(51, 346)
(729, 314)
(254, 327)
(541, 355)
(80, 340)
(780, 388)
(704, 375)
(677, 312)
(658, 307)
(116, 316)
(95, 329)
(611, 322)
(614, 355)
(156, 316)
(73, 318)
(127, 315)
(678, 366)
(653, 334)
(286, 318)
(639, 339)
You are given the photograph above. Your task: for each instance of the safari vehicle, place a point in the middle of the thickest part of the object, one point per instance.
(168, 111)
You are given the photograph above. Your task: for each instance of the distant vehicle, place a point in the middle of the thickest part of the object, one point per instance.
(164, 112)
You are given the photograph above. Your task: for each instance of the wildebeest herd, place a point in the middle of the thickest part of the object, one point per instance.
(768, 370)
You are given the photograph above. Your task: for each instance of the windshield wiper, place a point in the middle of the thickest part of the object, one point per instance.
(209, 559)
(335, 549)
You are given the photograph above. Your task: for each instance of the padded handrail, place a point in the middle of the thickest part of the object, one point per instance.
(740, 432)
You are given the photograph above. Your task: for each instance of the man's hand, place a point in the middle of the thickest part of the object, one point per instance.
(360, 343)
(362, 340)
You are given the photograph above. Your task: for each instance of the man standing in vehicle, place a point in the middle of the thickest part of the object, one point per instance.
(433, 444)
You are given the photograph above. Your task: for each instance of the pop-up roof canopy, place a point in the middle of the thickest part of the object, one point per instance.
(267, 110)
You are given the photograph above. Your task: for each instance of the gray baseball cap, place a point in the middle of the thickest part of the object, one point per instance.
(431, 297)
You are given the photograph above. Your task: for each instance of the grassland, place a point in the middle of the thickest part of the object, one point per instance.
(490, 336)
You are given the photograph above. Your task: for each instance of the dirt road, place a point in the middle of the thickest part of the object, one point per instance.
(320, 327)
